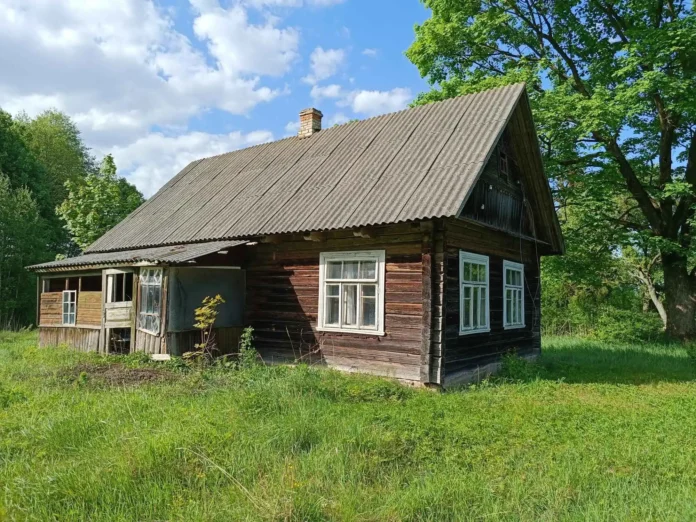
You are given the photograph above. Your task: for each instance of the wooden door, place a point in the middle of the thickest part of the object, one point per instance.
(118, 304)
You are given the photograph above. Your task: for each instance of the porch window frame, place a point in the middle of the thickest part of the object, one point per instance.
(142, 283)
(514, 267)
(72, 302)
(376, 256)
(481, 260)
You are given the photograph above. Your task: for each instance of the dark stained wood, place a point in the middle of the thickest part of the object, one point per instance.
(467, 352)
(283, 302)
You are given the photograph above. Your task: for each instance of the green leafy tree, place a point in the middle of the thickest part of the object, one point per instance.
(21, 244)
(96, 204)
(613, 90)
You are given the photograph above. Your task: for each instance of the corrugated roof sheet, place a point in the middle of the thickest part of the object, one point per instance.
(419, 163)
(163, 254)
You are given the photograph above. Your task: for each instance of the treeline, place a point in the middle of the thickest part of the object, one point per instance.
(55, 199)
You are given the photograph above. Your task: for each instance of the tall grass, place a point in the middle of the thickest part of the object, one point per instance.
(592, 432)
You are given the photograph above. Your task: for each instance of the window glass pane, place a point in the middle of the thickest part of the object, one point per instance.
(369, 312)
(369, 290)
(332, 309)
(332, 290)
(157, 299)
(350, 269)
(482, 309)
(475, 306)
(467, 272)
(466, 312)
(368, 269)
(350, 305)
(333, 270)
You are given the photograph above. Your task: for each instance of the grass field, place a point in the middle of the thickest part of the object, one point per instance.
(602, 433)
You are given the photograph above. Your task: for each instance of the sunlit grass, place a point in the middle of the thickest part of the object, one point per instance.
(593, 432)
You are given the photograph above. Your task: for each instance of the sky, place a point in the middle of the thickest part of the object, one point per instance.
(159, 83)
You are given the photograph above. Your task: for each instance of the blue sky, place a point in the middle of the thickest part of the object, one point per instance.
(158, 83)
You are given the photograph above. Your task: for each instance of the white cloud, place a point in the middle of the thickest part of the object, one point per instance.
(118, 68)
(370, 52)
(324, 64)
(293, 3)
(328, 91)
(337, 119)
(241, 47)
(372, 103)
(155, 158)
(292, 128)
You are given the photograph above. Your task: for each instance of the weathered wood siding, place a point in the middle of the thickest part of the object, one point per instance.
(148, 343)
(283, 302)
(82, 339)
(89, 308)
(227, 339)
(51, 309)
(467, 352)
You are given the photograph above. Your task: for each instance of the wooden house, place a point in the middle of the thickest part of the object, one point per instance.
(405, 245)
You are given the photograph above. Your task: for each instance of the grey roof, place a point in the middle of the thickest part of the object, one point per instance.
(171, 254)
(415, 164)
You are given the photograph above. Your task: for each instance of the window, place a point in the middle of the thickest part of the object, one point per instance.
(513, 295)
(150, 304)
(504, 167)
(69, 306)
(473, 293)
(351, 292)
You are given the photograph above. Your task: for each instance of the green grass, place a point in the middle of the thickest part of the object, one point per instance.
(603, 433)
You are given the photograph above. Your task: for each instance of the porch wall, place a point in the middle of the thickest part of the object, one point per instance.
(283, 301)
(81, 339)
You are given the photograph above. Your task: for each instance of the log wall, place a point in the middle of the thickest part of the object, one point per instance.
(467, 352)
(283, 301)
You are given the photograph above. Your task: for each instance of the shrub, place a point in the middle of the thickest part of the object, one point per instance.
(516, 368)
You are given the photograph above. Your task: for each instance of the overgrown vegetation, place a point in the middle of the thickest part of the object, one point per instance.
(592, 432)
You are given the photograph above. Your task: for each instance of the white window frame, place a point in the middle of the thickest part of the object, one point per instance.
(142, 283)
(69, 314)
(480, 260)
(378, 257)
(519, 267)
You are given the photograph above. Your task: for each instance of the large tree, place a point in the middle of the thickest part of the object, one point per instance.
(97, 203)
(613, 89)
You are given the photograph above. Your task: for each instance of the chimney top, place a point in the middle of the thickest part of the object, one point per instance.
(310, 122)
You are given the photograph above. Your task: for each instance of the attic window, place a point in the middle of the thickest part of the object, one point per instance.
(504, 167)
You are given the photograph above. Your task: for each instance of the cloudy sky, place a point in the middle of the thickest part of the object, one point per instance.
(158, 83)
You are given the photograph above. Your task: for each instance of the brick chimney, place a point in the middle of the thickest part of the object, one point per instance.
(310, 122)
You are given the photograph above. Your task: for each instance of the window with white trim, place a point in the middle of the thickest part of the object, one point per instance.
(513, 295)
(351, 292)
(473, 293)
(150, 302)
(69, 306)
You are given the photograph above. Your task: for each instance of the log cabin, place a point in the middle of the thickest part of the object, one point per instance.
(405, 245)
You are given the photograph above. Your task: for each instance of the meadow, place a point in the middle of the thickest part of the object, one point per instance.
(592, 431)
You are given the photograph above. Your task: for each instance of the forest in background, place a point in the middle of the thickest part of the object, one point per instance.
(55, 199)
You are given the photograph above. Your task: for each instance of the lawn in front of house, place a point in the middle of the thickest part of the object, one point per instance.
(592, 432)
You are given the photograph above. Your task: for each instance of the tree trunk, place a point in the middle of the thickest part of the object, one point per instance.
(646, 279)
(680, 298)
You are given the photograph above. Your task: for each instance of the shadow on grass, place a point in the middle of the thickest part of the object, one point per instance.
(584, 361)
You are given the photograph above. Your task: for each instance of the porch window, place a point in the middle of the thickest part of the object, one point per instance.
(69, 306)
(513, 295)
(351, 292)
(150, 304)
(473, 293)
